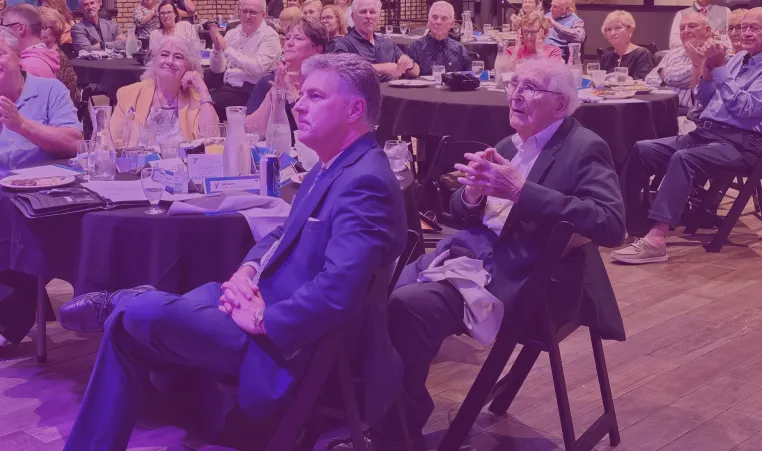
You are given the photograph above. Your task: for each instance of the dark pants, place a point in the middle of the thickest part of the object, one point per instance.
(156, 331)
(18, 304)
(421, 316)
(699, 155)
(227, 95)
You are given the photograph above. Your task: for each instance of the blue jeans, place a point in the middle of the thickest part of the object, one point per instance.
(148, 332)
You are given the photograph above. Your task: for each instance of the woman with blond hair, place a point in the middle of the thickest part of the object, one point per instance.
(63, 10)
(618, 28)
(533, 28)
(333, 19)
(53, 25)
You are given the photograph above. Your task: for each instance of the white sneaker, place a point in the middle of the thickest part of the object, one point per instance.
(639, 252)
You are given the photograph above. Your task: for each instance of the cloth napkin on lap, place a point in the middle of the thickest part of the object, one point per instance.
(262, 213)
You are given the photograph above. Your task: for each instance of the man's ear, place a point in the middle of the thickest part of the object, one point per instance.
(356, 109)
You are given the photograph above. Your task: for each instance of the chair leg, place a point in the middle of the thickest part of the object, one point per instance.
(514, 380)
(350, 404)
(732, 217)
(562, 396)
(42, 308)
(603, 381)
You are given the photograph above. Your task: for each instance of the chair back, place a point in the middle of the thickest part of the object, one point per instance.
(413, 242)
(650, 46)
(474, 56)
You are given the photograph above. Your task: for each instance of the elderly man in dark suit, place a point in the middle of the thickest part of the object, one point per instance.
(304, 279)
(552, 170)
(95, 32)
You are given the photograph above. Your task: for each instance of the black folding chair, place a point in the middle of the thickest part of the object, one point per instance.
(537, 335)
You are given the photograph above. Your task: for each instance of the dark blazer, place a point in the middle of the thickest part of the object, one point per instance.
(84, 35)
(572, 180)
(337, 236)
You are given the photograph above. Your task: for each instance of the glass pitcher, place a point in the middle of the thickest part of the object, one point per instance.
(132, 44)
(468, 27)
(103, 150)
(278, 134)
(236, 154)
(502, 65)
(575, 62)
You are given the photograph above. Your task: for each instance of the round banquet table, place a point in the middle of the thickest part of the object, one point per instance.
(483, 115)
(123, 247)
(487, 51)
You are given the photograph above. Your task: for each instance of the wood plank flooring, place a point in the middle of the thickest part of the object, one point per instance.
(689, 377)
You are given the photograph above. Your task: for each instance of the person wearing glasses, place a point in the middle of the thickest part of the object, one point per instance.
(94, 32)
(734, 30)
(553, 169)
(53, 26)
(437, 48)
(533, 27)
(728, 117)
(36, 58)
(244, 54)
(618, 28)
(171, 25)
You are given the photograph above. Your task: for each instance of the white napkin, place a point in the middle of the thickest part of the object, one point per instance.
(587, 96)
(262, 213)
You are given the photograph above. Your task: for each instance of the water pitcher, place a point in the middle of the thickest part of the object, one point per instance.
(103, 150)
(575, 63)
(132, 44)
(468, 27)
(278, 135)
(236, 155)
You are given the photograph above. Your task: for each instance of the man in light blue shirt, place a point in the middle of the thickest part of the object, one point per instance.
(728, 138)
(38, 121)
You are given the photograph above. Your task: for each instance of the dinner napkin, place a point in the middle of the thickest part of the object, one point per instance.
(587, 96)
(262, 213)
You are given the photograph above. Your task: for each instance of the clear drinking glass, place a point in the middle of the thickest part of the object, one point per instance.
(169, 149)
(153, 181)
(488, 28)
(403, 29)
(389, 29)
(621, 74)
(506, 28)
(437, 72)
(477, 67)
(592, 67)
(598, 77)
(103, 164)
(83, 157)
(148, 134)
(398, 156)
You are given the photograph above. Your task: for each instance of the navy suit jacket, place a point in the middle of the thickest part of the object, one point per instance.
(573, 179)
(336, 238)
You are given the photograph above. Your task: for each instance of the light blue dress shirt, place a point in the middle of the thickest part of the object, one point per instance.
(45, 101)
(734, 96)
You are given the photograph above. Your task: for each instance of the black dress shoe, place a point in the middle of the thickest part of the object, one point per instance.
(377, 442)
(88, 312)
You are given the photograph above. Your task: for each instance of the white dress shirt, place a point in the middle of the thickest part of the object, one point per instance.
(247, 57)
(496, 210)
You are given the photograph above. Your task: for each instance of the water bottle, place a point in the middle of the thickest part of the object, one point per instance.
(575, 63)
(236, 155)
(278, 135)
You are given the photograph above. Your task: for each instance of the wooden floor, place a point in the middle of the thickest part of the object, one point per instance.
(688, 378)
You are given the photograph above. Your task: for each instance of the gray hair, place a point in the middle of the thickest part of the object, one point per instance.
(377, 3)
(702, 18)
(192, 57)
(556, 77)
(443, 4)
(262, 3)
(10, 38)
(28, 15)
(355, 73)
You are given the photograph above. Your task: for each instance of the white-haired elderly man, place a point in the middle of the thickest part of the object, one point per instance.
(437, 48)
(676, 70)
(388, 60)
(566, 27)
(38, 120)
(244, 54)
(314, 273)
(553, 169)
(716, 15)
(728, 137)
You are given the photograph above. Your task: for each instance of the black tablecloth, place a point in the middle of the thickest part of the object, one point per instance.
(487, 51)
(483, 115)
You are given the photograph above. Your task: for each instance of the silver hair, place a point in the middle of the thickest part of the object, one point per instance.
(192, 57)
(556, 77)
(262, 3)
(10, 38)
(26, 14)
(377, 3)
(702, 18)
(355, 73)
(444, 4)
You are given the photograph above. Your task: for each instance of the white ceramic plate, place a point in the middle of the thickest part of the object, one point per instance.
(410, 83)
(34, 184)
(619, 95)
(298, 178)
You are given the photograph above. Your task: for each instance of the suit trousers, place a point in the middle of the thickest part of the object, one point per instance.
(157, 332)
(699, 155)
(227, 95)
(18, 304)
(421, 316)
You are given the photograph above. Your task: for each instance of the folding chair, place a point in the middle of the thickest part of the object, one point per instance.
(532, 304)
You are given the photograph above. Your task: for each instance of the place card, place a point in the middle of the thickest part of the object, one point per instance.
(214, 185)
(201, 166)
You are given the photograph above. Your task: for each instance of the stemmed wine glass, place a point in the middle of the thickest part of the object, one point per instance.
(153, 181)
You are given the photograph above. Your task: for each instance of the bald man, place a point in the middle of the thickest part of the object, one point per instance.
(437, 48)
(728, 137)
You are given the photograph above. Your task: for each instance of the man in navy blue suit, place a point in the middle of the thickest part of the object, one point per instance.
(304, 279)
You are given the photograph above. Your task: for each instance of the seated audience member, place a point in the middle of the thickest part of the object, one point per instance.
(333, 20)
(734, 30)
(306, 37)
(312, 8)
(95, 32)
(244, 54)
(36, 58)
(676, 69)
(618, 28)
(553, 169)
(172, 95)
(729, 110)
(527, 6)
(388, 60)
(300, 282)
(531, 41)
(437, 48)
(566, 27)
(53, 24)
(289, 16)
(63, 10)
(146, 17)
(293, 3)
(715, 14)
(171, 25)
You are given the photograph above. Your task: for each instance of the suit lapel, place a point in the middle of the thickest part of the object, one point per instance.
(312, 200)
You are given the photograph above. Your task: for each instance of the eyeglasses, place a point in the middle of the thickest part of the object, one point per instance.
(526, 91)
(250, 13)
(167, 13)
(8, 25)
(529, 32)
(616, 30)
(733, 28)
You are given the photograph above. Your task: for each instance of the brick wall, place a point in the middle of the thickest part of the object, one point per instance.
(205, 9)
